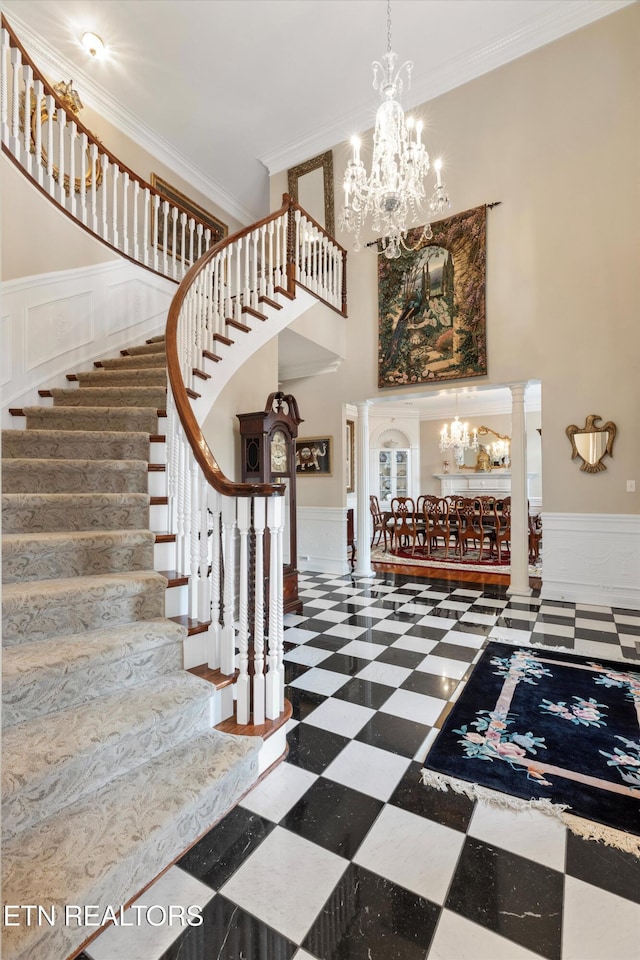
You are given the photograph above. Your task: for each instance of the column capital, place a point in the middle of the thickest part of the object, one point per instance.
(518, 390)
(364, 403)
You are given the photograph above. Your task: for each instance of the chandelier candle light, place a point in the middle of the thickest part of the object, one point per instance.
(456, 437)
(394, 192)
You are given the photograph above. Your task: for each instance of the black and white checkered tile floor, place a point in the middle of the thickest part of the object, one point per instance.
(342, 854)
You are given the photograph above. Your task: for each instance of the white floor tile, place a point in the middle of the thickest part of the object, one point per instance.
(303, 955)
(607, 626)
(443, 667)
(433, 594)
(340, 716)
(508, 633)
(417, 608)
(361, 601)
(597, 925)
(374, 613)
(438, 623)
(310, 592)
(627, 619)
(591, 648)
(486, 619)
(392, 626)
(368, 769)
(387, 673)
(520, 614)
(263, 884)
(290, 725)
(296, 635)
(417, 644)
(454, 605)
(425, 746)
(274, 796)
(319, 604)
(415, 852)
(457, 938)
(317, 680)
(413, 706)
(292, 619)
(464, 639)
(490, 602)
(142, 939)
(529, 833)
(365, 649)
(593, 608)
(568, 613)
(347, 630)
(334, 616)
(309, 656)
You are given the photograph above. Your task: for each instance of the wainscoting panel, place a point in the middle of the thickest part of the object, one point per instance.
(592, 558)
(56, 323)
(322, 539)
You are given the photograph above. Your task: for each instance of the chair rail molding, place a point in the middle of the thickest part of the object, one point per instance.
(592, 558)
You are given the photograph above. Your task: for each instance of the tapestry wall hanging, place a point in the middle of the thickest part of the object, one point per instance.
(432, 320)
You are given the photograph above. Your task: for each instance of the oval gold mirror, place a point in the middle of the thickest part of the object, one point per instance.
(592, 443)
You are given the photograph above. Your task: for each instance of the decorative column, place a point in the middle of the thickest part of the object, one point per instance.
(363, 563)
(519, 507)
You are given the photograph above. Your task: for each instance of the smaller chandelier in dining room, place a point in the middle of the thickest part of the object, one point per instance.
(456, 437)
(394, 192)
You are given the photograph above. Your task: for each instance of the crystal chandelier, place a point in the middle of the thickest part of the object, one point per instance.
(394, 191)
(456, 437)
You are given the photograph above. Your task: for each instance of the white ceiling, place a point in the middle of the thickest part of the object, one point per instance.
(226, 90)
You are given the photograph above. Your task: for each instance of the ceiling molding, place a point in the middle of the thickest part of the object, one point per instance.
(300, 371)
(52, 63)
(469, 65)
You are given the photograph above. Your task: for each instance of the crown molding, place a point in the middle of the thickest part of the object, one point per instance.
(299, 371)
(51, 62)
(467, 66)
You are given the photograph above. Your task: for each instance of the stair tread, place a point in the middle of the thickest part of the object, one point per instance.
(48, 589)
(105, 847)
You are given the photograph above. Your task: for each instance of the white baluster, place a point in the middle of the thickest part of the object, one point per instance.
(125, 212)
(39, 95)
(215, 505)
(263, 265)
(272, 692)
(237, 314)
(156, 229)
(279, 282)
(183, 244)
(243, 688)
(230, 253)
(227, 636)
(254, 272)
(104, 163)
(16, 63)
(195, 526)
(26, 132)
(271, 272)
(136, 211)
(146, 217)
(83, 178)
(165, 236)
(259, 518)
(61, 118)
(73, 136)
(94, 178)
(51, 107)
(199, 241)
(4, 87)
(203, 612)
(174, 241)
(192, 228)
(115, 233)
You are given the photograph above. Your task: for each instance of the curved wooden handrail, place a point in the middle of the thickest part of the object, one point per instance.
(144, 184)
(201, 450)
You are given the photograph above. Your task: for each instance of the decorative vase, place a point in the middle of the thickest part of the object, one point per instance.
(445, 466)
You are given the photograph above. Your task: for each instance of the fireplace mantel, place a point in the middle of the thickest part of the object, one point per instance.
(494, 483)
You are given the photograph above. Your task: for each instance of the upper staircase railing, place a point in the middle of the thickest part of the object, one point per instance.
(226, 532)
(42, 134)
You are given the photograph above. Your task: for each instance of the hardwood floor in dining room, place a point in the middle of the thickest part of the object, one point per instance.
(439, 573)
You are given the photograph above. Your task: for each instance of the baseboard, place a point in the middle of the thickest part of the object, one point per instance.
(592, 558)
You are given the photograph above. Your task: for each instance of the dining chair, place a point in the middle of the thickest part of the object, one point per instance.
(501, 532)
(535, 536)
(405, 526)
(382, 526)
(436, 516)
(470, 525)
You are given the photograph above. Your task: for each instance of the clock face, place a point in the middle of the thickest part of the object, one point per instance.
(279, 452)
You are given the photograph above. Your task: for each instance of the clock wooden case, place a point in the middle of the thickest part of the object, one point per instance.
(268, 455)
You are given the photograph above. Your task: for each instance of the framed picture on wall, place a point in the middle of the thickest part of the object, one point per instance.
(218, 229)
(314, 456)
(350, 455)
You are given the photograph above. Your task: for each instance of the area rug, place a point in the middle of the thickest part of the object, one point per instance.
(547, 730)
(470, 561)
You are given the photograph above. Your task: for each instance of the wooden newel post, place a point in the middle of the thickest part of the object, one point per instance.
(291, 245)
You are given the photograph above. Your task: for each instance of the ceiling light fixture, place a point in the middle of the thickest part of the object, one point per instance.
(456, 437)
(93, 44)
(394, 191)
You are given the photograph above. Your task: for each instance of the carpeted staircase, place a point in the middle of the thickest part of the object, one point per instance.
(110, 766)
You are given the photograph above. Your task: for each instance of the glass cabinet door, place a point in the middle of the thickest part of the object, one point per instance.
(393, 474)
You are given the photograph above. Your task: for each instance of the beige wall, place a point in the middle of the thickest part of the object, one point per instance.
(554, 136)
(246, 392)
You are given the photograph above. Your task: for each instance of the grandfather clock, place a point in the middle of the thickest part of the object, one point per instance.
(268, 455)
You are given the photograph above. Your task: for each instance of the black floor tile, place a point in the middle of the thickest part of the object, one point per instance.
(378, 920)
(364, 692)
(445, 807)
(394, 734)
(315, 625)
(430, 684)
(221, 851)
(594, 615)
(479, 629)
(514, 897)
(454, 651)
(507, 621)
(334, 816)
(294, 670)
(554, 618)
(630, 629)
(427, 633)
(229, 933)
(313, 749)
(303, 702)
(342, 663)
(605, 867)
(400, 657)
(357, 620)
(378, 635)
(325, 642)
(598, 636)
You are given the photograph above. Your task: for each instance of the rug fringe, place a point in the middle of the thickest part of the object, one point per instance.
(587, 829)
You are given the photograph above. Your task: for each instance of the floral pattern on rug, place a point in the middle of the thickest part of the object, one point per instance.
(626, 761)
(589, 712)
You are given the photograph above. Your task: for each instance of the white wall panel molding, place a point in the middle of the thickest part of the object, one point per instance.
(322, 539)
(58, 323)
(592, 558)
